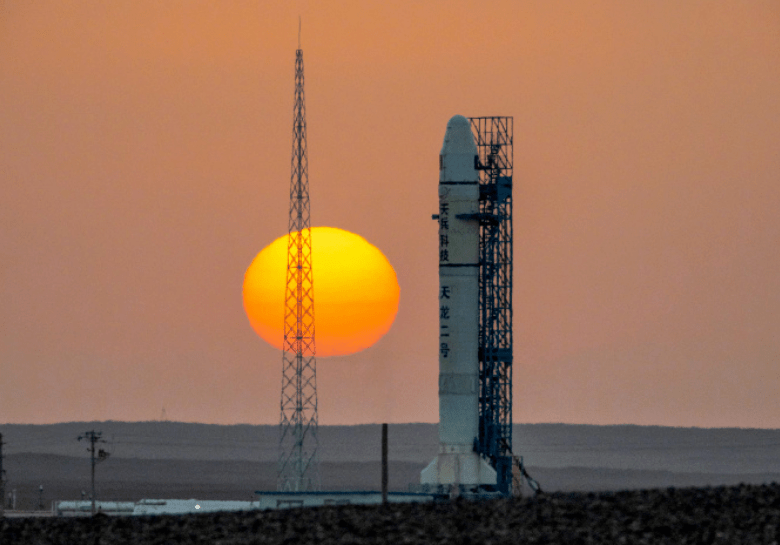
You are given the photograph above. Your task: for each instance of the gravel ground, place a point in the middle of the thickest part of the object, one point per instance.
(744, 514)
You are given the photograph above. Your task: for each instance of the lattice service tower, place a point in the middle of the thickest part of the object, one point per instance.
(494, 138)
(298, 458)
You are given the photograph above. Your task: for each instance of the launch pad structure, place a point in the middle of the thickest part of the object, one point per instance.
(475, 310)
(494, 139)
(475, 274)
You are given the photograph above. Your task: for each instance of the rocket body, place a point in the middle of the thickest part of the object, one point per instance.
(457, 462)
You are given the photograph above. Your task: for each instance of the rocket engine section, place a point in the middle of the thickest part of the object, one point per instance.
(458, 463)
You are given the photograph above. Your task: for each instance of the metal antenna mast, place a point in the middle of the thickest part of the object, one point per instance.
(298, 459)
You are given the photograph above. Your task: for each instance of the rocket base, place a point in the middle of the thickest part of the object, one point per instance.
(460, 467)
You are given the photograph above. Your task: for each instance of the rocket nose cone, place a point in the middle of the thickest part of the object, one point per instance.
(458, 138)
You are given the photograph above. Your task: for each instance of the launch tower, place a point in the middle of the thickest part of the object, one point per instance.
(298, 458)
(494, 139)
(475, 309)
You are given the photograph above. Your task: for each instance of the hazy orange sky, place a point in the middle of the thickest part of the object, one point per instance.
(145, 160)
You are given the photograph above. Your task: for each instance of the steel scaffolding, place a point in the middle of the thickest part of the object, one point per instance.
(494, 136)
(298, 458)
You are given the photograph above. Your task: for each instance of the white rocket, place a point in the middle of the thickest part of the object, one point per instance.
(457, 463)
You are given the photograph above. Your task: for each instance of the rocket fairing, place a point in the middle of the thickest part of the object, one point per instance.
(457, 462)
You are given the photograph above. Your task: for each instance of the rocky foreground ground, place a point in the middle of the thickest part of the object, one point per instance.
(745, 514)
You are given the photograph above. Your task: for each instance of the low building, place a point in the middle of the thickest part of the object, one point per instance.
(265, 500)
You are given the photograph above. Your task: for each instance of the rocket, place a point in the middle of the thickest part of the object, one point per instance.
(458, 465)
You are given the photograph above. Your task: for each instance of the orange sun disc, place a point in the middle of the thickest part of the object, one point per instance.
(356, 292)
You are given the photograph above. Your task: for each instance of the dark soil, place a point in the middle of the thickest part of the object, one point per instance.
(746, 514)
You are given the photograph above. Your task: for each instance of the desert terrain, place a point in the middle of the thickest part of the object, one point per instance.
(745, 514)
(185, 460)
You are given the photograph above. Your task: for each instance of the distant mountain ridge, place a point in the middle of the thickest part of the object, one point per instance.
(208, 461)
(657, 448)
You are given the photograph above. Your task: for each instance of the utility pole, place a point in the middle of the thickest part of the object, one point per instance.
(2, 480)
(384, 464)
(94, 437)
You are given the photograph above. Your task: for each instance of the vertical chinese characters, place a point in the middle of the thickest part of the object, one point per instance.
(444, 293)
(444, 226)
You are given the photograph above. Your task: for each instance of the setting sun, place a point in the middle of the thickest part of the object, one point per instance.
(356, 292)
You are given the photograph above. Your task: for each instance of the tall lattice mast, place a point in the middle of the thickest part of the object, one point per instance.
(298, 459)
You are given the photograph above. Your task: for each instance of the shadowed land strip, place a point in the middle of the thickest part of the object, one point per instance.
(738, 514)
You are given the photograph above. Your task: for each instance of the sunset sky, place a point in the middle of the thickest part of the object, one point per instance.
(145, 161)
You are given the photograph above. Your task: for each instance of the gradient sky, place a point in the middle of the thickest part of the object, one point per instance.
(145, 160)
